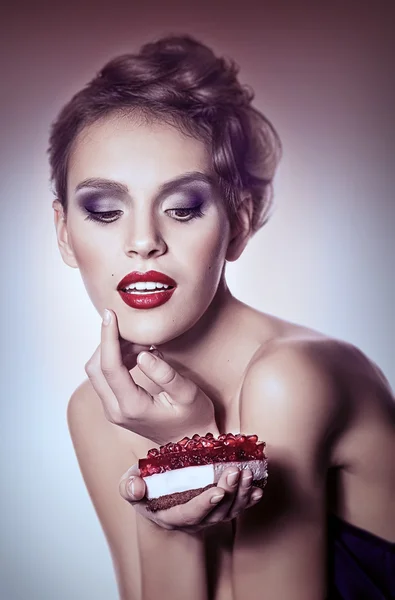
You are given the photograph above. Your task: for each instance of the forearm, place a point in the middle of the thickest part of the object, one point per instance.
(171, 561)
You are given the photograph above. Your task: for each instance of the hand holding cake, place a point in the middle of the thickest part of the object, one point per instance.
(198, 482)
(178, 472)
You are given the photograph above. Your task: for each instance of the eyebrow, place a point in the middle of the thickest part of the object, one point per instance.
(119, 189)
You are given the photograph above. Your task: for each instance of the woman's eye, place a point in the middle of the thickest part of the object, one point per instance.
(186, 214)
(103, 217)
(179, 214)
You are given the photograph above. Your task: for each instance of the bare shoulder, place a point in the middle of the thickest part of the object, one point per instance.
(304, 357)
(290, 384)
(308, 388)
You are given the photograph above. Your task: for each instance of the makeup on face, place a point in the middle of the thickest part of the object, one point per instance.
(190, 192)
(146, 183)
(140, 290)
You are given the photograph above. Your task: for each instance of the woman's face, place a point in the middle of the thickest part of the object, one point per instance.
(163, 214)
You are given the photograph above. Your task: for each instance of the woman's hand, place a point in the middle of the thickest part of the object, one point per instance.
(227, 500)
(180, 409)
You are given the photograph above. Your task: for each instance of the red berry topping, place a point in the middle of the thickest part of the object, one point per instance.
(201, 451)
(206, 443)
(230, 442)
(153, 452)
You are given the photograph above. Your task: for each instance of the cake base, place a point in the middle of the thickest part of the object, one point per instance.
(170, 500)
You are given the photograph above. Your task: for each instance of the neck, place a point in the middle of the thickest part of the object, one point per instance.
(208, 353)
(205, 334)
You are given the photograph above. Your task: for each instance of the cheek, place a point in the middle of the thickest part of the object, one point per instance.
(95, 266)
(203, 253)
(87, 255)
(90, 248)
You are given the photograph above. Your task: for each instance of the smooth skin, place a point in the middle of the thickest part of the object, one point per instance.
(325, 411)
(158, 418)
(232, 494)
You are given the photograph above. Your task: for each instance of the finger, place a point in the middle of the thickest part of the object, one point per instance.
(229, 482)
(101, 387)
(256, 496)
(132, 398)
(179, 389)
(132, 487)
(192, 512)
(243, 495)
(129, 352)
(100, 384)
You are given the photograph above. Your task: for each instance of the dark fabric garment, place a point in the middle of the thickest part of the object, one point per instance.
(361, 565)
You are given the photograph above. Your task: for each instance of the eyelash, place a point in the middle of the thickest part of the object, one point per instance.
(196, 213)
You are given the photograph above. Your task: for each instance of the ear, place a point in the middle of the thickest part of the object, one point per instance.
(240, 229)
(63, 239)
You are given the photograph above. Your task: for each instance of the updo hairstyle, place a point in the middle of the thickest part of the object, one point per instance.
(179, 80)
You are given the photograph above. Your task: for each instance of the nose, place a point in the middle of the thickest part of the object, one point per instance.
(144, 238)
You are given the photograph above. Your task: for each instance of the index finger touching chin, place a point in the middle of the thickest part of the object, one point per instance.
(111, 362)
(113, 346)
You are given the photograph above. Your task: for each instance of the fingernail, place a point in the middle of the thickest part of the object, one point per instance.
(146, 359)
(131, 487)
(106, 317)
(247, 480)
(232, 478)
(217, 498)
(257, 495)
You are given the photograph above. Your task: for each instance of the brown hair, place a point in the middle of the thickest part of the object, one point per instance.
(180, 80)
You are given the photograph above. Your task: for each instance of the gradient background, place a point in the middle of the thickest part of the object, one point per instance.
(324, 77)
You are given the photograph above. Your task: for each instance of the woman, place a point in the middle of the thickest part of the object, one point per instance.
(163, 171)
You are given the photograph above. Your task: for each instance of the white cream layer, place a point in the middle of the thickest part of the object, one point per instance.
(192, 478)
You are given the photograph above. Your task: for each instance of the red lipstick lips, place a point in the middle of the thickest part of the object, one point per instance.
(150, 298)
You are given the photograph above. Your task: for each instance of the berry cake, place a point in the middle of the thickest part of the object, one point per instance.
(180, 471)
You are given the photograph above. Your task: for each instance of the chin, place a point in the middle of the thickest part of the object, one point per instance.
(156, 329)
(147, 338)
